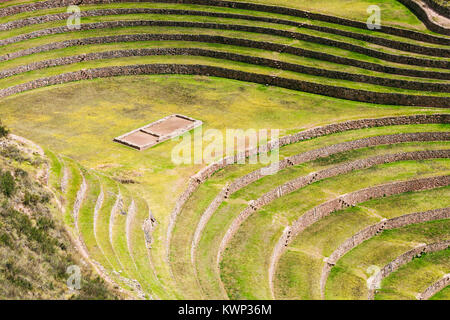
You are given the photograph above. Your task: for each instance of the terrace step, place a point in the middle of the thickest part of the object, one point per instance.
(27, 7)
(138, 234)
(294, 81)
(71, 184)
(194, 244)
(102, 219)
(221, 232)
(87, 214)
(387, 252)
(244, 41)
(395, 44)
(325, 209)
(285, 66)
(435, 288)
(121, 219)
(385, 56)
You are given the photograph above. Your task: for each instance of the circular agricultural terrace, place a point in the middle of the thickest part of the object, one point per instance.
(362, 180)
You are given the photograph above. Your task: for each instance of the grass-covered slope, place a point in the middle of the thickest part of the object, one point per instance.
(35, 248)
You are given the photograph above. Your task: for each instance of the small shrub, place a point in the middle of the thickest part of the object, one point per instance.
(5, 239)
(3, 130)
(45, 224)
(45, 197)
(7, 184)
(19, 172)
(30, 198)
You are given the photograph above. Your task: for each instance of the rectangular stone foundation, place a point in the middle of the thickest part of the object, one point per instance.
(158, 131)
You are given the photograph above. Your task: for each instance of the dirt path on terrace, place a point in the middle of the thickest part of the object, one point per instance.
(433, 15)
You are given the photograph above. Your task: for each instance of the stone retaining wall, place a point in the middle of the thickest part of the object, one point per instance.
(403, 59)
(374, 230)
(238, 5)
(312, 133)
(229, 41)
(205, 70)
(405, 84)
(345, 201)
(399, 45)
(435, 288)
(303, 181)
(402, 260)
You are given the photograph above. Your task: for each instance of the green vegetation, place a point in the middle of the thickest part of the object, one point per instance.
(216, 227)
(3, 130)
(299, 270)
(347, 279)
(443, 3)
(7, 184)
(414, 277)
(35, 249)
(442, 295)
(394, 13)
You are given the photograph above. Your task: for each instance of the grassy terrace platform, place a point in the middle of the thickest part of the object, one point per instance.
(413, 278)
(299, 271)
(73, 178)
(106, 112)
(355, 10)
(210, 189)
(309, 38)
(35, 75)
(233, 21)
(442, 295)
(432, 76)
(78, 120)
(258, 234)
(350, 275)
(315, 40)
(216, 227)
(23, 19)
